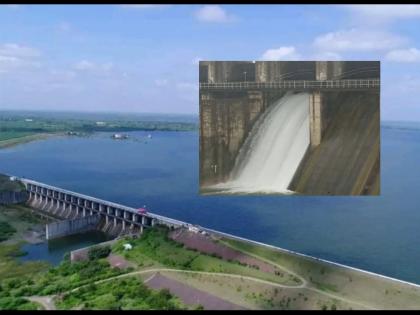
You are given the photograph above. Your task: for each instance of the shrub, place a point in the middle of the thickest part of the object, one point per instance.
(97, 252)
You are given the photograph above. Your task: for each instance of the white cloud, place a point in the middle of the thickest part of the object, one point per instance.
(386, 12)
(281, 53)
(16, 50)
(213, 13)
(17, 57)
(86, 65)
(161, 82)
(327, 56)
(357, 40)
(404, 55)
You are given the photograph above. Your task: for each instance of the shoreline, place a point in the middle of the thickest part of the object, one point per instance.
(26, 139)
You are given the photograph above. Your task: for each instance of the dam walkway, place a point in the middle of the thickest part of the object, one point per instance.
(298, 85)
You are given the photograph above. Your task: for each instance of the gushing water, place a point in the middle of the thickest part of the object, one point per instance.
(271, 154)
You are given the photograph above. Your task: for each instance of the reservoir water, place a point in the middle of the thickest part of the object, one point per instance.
(379, 234)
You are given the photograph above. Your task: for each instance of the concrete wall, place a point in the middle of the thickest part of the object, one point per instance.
(69, 227)
(347, 160)
(12, 197)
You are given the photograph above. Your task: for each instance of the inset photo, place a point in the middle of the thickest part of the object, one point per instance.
(289, 127)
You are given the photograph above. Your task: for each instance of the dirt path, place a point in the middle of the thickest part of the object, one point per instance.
(46, 301)
(303, 280)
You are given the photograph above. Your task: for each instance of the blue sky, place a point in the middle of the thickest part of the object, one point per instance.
(144, 58)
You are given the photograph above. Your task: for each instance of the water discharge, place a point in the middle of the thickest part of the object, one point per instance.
(270, 156)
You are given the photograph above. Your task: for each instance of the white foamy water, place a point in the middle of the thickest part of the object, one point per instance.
(273, 149)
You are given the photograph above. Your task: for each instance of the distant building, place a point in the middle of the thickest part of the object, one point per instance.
(100, 123)
(29, 119)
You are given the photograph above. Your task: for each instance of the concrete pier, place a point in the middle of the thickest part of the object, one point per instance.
(69, 227)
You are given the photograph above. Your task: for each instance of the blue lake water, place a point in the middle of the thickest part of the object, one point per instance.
(379, 234)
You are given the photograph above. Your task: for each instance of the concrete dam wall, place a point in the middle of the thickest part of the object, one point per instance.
(69, 227)
(347, 161)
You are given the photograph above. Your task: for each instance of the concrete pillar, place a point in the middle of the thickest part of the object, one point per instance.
(211, 72)
(261, 71)
(315, 123)
(153, 222)
(321, 70)
(84, 212)
(141, 229)
(143, 220)
(115, 221)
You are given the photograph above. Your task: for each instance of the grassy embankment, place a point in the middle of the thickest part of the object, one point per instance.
(155, 249)
(360, 287)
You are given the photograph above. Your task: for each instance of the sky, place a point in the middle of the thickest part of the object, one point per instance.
(144, 58)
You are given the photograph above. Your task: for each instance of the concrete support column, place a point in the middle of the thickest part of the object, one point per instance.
(321, 70)
(84, 212)
(143, 220)
(261, 71)
(211, 72)
(315, 124)
(115, 221)
(141, 229)
(153, 222)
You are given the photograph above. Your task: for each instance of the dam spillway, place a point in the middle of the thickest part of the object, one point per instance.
(273, 150)
(343, 156)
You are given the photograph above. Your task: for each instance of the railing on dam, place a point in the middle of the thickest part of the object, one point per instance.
(349, 84)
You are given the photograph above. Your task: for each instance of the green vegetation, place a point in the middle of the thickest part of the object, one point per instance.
(11, 268)
(127, 293)
(7, 185)
(19, 304)
(97, 252)
(6, 230)
(155, 248)
(120, 294)
(64, 277)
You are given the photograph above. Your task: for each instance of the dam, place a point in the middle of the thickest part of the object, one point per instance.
(341, 156)
(76, 212)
